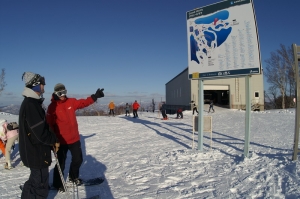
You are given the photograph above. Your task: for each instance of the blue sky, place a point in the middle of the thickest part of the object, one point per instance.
(131, 48)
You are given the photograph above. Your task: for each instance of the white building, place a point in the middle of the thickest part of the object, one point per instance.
(229, 92)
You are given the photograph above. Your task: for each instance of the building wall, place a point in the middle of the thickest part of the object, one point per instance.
(178, 91)
(237, 91)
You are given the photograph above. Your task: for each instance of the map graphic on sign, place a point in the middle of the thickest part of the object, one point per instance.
(208, 33)
(223, 40)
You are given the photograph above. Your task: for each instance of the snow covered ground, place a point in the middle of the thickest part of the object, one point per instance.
(151, 158)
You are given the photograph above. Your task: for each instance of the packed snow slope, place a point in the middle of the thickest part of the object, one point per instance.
(152, 158)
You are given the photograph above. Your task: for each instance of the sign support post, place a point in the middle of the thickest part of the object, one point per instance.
(296, 50)
(200, 116)
(247, 118)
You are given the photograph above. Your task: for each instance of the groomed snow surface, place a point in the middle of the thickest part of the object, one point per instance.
(152, 158)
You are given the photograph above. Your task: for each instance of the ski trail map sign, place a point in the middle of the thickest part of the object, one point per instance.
(223, 40)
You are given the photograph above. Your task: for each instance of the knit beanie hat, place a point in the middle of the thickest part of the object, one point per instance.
(59, 87)
(32, 79)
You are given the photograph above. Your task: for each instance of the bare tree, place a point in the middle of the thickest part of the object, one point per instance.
(2, 82)
(280, 73)
(288, 56)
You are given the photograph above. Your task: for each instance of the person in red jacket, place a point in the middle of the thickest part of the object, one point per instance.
(61, 118)
(135, 107)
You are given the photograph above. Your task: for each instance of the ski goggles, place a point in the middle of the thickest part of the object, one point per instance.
(61, 93)
(38, 80)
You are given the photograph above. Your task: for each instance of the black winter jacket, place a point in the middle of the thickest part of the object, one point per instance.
(35, 138)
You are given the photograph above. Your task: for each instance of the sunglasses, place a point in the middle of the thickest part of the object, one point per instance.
(61, 93)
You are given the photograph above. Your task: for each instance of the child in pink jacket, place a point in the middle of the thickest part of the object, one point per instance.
(9, 137)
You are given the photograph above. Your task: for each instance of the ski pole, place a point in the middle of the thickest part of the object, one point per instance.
(59, 171)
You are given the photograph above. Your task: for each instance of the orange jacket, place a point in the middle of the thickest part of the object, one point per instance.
(111, 105)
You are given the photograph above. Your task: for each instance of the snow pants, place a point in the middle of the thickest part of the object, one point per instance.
(37, 184)
(76, 162)
(135, 114)
(195, 109)
(211, 107)
(180, 114)
(163, 113)
(8, 146)
(111, 111)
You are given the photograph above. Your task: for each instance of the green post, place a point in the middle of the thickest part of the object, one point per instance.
(247, 118)
(200, 115)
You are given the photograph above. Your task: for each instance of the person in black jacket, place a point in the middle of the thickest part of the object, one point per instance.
(163, 111)
(35, 138)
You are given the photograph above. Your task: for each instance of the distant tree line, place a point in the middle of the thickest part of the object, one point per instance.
(280, 74)
(2, 81)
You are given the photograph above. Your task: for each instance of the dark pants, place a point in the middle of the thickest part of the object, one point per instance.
(135, 113)
(195, 109)
(36, 187)
(127, 112)
(211, 107)
(163, 112)
(180, 114)
(111, 111)
(76, 162)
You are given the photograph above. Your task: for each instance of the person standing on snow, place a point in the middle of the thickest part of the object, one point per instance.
(211, 106)
(194, 106)
(111, 107)
(35, 138)
(163, 111)
(62, 119)
(179, 113)
(127, 109)
(135, 107)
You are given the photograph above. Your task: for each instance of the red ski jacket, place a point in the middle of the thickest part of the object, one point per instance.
(135, 105)
(61, 118)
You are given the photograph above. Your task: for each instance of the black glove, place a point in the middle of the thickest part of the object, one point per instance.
(99, 93)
